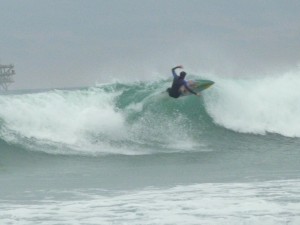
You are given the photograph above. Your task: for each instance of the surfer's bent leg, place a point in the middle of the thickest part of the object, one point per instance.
(192, 84)
(187, 87)
(182, 89)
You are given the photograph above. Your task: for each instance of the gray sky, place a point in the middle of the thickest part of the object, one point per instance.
(67, 43)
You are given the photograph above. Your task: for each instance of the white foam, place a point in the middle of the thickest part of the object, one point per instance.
(273, 202)
(71, 118)
(270, 104)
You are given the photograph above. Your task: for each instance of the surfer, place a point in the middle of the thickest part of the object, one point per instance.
(180, 85)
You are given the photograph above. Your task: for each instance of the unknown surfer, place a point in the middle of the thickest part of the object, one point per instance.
(180, 85)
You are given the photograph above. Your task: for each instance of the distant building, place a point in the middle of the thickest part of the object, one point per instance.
(6, 73)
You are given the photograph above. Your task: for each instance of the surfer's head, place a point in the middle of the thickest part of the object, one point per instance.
(182, 75)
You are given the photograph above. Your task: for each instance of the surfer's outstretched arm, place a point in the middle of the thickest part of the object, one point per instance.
(173, 71)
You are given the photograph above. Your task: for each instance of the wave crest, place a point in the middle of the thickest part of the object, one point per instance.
(259, 106)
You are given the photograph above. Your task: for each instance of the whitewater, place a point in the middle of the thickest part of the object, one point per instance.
(126, 153)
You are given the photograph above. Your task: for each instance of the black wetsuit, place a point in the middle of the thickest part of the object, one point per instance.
(174, 91)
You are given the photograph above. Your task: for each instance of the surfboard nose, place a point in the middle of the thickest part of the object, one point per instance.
(207, 83)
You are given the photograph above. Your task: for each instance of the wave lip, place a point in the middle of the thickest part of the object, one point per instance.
(259, 106)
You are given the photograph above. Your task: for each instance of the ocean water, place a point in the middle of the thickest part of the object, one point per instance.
(126, 153)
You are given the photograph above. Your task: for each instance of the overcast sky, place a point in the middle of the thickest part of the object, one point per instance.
(67, 43)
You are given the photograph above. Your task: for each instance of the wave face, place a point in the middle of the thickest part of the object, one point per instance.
(110, 119)
(140, 118)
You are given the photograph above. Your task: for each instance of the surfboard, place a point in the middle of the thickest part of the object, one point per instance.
(198, 86)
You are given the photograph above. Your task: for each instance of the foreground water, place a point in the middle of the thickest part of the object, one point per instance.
(128, 154)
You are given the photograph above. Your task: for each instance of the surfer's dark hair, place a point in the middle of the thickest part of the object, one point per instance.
(182, 75)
